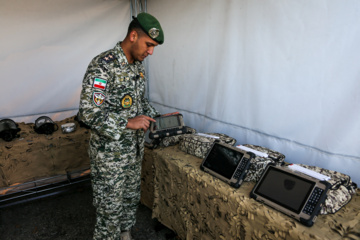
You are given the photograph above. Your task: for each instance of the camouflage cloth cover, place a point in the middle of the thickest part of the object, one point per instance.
(258, 164)
(199, 145)
(341, 191)
(173, 140)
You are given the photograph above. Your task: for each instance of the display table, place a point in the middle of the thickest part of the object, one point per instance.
(192, 203)
(198, 206)
(34, 156)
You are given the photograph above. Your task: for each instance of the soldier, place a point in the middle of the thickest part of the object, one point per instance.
(114, 106)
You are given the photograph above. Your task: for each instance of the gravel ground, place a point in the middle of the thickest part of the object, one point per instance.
(68, 215)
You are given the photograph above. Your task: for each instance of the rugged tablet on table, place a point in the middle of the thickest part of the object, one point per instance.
(291, 192)
(228, 163)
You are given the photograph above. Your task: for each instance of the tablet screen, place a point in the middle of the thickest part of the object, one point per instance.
(223, 160)
(285, 189)
(167, 122)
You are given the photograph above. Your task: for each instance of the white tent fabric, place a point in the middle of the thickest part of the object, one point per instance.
(280, 74)
(46, 47)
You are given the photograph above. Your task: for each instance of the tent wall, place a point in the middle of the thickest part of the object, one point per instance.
(45, 49)
(280, 74)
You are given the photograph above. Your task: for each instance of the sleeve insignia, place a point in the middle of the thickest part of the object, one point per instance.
(141, 75)
(100, 83)
(98, 98)
(126, 101)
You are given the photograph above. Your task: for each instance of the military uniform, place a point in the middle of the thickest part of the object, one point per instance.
(113, 91)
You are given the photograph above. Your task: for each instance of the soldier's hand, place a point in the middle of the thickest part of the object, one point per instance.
(140, 122)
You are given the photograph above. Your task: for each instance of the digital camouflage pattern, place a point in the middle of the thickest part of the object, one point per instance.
(258, 164)
(173, 140)
(200, 145)
(341, 190)
(113, 91)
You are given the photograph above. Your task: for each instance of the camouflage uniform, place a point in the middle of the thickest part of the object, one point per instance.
(113, 91)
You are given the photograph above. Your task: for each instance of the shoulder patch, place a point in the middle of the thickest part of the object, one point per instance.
(100, 83)
(98, 98)
(126, 101)
(109, 58)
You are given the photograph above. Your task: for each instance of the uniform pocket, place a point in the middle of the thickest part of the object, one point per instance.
(123, 147)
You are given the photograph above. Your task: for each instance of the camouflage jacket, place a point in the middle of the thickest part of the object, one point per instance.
(112, 92)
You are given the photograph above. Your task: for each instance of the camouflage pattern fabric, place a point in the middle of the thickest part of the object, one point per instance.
(199, 145)
(173, 140)
(199, 206)
(113, 91)
(341, 191)
(258, 164)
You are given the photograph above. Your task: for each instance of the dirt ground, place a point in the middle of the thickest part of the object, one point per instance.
(69, 215)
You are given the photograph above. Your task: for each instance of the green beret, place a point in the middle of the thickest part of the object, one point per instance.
(151, 26)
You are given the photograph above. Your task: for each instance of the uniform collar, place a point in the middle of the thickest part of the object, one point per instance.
(122, 57)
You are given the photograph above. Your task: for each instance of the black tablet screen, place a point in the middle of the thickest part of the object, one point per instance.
(285, 189)
(223, 160)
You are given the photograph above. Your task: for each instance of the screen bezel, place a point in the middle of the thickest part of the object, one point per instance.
(158, 120)
(283, 204)
(154, 126)
(215, 148)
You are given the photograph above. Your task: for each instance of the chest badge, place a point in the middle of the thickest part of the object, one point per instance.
(126, 101)
(98, 98)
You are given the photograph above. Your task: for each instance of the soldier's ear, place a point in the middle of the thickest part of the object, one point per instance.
(133, 36)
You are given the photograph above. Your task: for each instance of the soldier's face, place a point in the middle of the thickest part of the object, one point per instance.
(143, 47)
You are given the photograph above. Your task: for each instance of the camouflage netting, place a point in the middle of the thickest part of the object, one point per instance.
(33, 156)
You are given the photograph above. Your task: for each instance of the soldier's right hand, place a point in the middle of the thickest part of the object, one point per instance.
(140, 122)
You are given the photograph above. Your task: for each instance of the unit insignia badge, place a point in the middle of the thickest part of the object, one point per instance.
(126, 101)
(98, 98)
(154, 32)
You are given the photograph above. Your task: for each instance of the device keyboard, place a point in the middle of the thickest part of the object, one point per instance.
(313, 200)
(241, 167)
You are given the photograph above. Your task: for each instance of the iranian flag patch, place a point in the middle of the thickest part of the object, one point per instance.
(100, 83)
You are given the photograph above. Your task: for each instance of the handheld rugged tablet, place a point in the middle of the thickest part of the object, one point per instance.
(167, 125)
(227, 163)
(293, 193)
